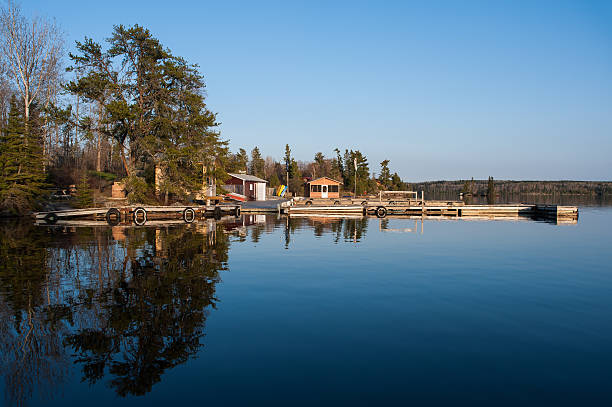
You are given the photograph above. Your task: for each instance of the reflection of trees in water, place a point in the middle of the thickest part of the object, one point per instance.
(256, 232)
(384, 223)
(355, 229)
(31, 351)
(348, 229)
(253, 225)
(129, 303)
(154, 318)
(126, 304)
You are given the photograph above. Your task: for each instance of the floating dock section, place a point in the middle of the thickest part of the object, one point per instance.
(453, 209)
(138, 215)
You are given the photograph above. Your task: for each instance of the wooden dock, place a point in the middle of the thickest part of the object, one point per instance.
(437, 208)
(139, 215)
(409, 203)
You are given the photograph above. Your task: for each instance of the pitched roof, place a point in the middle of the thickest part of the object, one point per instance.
(331, 179)
(246, 177)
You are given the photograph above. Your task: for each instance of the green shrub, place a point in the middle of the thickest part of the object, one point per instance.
(136, 189)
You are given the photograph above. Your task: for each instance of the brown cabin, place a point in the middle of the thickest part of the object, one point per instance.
(323, 187)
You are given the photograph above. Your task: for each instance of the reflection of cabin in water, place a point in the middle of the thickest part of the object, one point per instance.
(323, 187)
(252, 187)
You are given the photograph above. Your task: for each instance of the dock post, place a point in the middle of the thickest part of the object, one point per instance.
(422, 203)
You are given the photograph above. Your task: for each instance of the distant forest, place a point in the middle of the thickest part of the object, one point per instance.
(508, 188)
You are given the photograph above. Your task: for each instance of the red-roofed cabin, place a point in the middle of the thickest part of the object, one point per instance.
(323, 187)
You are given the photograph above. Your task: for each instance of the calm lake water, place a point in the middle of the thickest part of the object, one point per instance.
(308, 311)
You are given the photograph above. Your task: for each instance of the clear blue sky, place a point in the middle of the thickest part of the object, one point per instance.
(445, 90)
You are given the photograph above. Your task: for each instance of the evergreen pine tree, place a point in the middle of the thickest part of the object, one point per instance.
(21, 170)
(361, 176)
(338, 168)
(274, 181)
(396, 183)
(243, 159)
(295, 180)
(11, 143)
(154, 107)
(385, 175)
(288, 160)
(84, 195)
(319, 165)
(257, 163)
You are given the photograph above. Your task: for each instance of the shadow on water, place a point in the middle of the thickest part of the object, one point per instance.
(123, 304)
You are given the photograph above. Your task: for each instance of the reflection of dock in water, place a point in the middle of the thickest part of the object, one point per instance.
(383, 226)
(328, 218)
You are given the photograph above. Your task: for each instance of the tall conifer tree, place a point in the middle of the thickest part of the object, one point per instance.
(153, 107)
(257, 163)
(385, 175)
(21, 170)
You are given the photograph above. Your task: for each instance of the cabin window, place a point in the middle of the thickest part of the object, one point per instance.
(316, 188)
(333, 188)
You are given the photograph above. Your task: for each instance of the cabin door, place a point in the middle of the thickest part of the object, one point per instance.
(261, 191)
(324, 191)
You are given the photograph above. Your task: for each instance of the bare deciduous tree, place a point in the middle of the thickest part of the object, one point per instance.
(31, 50)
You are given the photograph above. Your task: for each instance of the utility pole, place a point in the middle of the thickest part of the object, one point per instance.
(287, 162)
(355, 164)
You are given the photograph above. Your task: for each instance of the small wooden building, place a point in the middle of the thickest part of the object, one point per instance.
(252, 187)
(323, 187)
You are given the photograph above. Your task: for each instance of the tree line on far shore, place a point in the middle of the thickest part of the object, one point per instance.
(513, 188)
